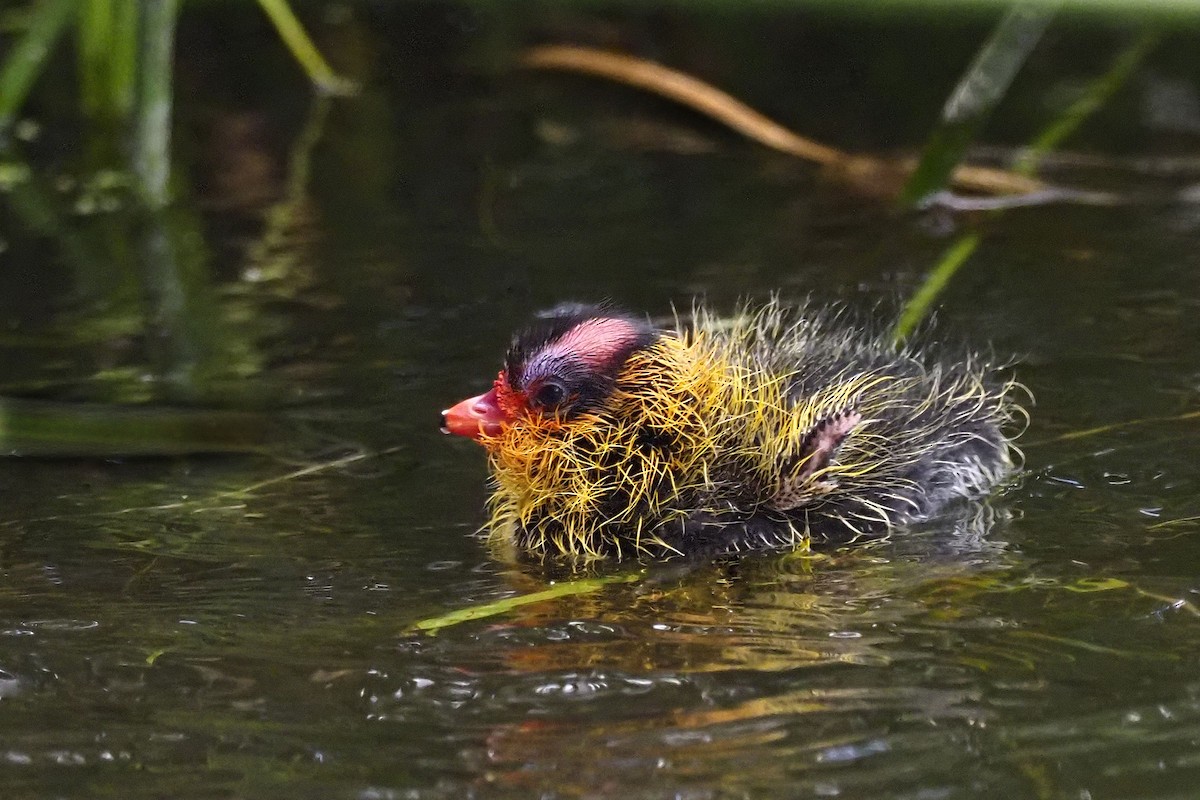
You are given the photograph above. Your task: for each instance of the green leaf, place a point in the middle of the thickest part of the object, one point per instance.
(978, 91)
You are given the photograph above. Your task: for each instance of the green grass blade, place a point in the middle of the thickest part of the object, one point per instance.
(979, 90)
(918, 306)
(1091, 101)
(93, 38)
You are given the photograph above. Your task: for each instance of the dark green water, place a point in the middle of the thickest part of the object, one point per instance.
(165, 634)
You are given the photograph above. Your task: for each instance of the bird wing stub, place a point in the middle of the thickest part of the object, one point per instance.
(817, 451)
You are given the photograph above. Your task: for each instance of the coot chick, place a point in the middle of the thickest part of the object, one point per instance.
(781, 425)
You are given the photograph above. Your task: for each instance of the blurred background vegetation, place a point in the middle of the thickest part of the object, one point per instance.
(106, 161)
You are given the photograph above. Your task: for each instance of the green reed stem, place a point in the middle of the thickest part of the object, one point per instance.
(1092, 100)
(303, 49)
(152, 128)
(918, 307)
(82, 430)
(981, 87)
(107, 36)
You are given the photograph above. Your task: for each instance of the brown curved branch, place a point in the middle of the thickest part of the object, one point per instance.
(864, 171)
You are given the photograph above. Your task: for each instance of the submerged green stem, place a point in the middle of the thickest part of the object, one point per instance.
(583, 586)
(44, 429)
(1115, 426)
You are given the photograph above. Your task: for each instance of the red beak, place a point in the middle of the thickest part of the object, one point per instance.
(475, 417)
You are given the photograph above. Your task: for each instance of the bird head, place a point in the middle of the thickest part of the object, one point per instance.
(563, 366)
(598, 431)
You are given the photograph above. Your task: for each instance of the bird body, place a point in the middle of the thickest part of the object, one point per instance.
(774, 427)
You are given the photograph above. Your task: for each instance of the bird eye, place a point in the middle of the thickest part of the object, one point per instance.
(549, 395)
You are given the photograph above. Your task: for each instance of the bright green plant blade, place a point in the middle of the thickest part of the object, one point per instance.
(303, 49)
(978, 91)
(583, 586)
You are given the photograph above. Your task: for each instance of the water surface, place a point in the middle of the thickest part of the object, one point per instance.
(166, 633)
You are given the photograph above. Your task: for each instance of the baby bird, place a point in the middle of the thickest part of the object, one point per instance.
(782, 425)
